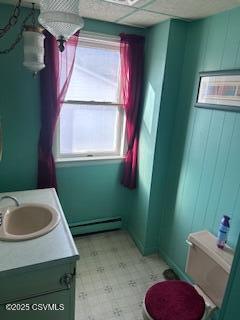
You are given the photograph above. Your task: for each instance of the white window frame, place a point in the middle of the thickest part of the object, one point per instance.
(90, 40)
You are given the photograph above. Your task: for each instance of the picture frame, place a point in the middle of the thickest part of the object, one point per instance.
(219, 90)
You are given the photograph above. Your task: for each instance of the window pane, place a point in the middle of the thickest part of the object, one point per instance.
(95, 75)
(88, 129)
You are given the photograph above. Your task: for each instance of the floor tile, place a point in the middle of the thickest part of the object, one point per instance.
(112, 277)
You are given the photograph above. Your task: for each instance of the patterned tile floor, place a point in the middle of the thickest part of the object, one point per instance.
(112, 277)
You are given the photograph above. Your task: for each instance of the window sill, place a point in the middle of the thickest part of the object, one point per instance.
(73, 162)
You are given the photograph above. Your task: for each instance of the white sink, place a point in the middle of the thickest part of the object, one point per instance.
(27, 221)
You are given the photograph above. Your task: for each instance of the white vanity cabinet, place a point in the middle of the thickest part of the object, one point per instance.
(37, 277)
(39, 294)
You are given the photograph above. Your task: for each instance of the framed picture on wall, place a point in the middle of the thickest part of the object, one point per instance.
(219, 90)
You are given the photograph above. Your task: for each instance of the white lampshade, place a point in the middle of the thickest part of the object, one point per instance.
(33, 49)
(61, 18)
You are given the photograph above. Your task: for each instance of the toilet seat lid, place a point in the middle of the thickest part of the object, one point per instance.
(174, 300)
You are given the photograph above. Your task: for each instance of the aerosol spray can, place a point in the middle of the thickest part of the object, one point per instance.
(223, 232)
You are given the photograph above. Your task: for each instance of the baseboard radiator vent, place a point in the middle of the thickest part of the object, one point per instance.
(98, 225)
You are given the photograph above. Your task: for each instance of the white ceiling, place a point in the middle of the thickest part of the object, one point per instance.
(145, 13)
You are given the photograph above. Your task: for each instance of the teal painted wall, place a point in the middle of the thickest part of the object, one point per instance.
(188, 157)
(86, 191)
(155, 60)
(19, 111)
(93, 191)
(169, 101)
(164, 60)
(203, 177)
(230, 309)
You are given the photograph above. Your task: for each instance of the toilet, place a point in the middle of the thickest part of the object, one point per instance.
(208, 267)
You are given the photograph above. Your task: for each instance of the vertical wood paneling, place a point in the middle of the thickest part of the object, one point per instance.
(155, 61)
(232, 41)
(216, 41)
(206, 184)
(230, 183)
(169, 99)
(172, 225)
(209, 179)
(236, 219)
(219, 172)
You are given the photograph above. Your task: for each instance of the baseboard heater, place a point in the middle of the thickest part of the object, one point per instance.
(92, 226)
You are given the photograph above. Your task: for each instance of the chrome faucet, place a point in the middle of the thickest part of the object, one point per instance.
(12, 198)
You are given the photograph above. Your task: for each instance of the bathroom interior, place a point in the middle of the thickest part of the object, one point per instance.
(109, 242)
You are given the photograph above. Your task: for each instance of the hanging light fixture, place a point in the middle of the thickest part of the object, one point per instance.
(61, 18)
(32, 36)
(33, 46)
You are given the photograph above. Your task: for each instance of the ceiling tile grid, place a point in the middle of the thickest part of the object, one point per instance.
(102, 10)
(142, 3)
(124, 2)
(191, 9)
(143, 19)
(134, 4)
(145, 13)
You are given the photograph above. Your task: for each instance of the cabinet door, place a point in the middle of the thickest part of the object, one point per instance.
(24, 283)
(59, 305)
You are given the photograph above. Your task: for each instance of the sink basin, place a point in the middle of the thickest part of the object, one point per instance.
(27, 221)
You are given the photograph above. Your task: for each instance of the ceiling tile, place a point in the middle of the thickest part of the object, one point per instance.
(138, 4)
(142, 3)
(191, 9)
(143, 19)
(102, 10)
(124, 2)
(106, 11)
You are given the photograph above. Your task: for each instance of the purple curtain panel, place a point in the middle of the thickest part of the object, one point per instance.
(132, 64)
(54, 81)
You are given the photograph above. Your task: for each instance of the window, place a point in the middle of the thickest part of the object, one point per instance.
(91, 122)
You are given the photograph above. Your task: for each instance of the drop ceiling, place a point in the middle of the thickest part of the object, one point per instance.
(145, 13)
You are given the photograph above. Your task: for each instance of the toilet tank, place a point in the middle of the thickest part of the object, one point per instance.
(208, 266)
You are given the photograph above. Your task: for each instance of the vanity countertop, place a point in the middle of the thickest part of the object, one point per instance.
(53, 247)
